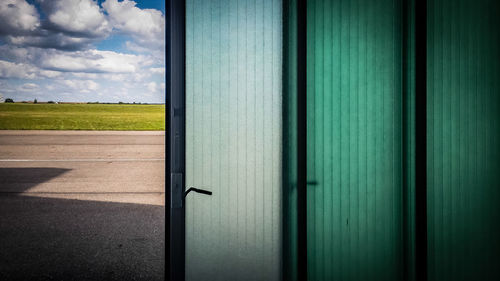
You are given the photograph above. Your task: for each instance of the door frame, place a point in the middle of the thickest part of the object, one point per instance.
(175, 138)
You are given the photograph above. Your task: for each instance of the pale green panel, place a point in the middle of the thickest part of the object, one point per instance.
(354, 140)
(234, 139)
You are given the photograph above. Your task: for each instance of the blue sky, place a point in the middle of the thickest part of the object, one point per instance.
(82, 50)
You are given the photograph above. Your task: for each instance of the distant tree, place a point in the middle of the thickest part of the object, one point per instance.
(35, 101)
(9, 100)
(120, 102)
(50, 101)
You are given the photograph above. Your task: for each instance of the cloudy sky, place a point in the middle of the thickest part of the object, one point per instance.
(82, 50)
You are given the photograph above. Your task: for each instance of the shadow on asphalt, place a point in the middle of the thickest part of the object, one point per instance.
(59, 239)
(16, 180)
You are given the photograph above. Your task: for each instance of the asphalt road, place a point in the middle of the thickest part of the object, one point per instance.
(77, 205)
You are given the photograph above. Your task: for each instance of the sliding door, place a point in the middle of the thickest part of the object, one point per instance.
(233, 139)
(243, 74)
(355, 115)
(463, 140)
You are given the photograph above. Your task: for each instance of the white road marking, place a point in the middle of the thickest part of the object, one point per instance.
(84, 160)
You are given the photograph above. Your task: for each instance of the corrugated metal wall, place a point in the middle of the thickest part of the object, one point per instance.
(464, 140)
(361, 117)
(355, 132)
(234, 139)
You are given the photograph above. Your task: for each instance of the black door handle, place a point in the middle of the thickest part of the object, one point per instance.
(202, 191)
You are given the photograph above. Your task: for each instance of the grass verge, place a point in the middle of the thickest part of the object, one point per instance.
(129, 117)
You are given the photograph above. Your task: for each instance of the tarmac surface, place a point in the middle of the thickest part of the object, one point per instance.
(82, 205)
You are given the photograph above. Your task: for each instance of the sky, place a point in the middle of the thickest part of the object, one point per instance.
(82, 50)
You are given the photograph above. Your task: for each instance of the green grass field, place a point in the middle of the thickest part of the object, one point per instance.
(120, 117)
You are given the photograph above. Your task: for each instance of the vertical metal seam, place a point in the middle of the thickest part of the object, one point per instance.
(406, 129)
(301, 9)
(421, 139)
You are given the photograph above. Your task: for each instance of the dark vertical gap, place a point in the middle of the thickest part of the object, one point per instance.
(405, 140)
(168, 70)
(175, 138)
(286, 245)
(421, 140)
(302, 139)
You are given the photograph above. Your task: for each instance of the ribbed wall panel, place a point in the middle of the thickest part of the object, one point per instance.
(355, 133)
(463, 140)
(234, 139)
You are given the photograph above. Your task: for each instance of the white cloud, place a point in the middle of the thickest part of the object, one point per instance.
(77, 24)
(91, 64)
(29, 87)
(83, 17)
(51, 40)
(17, 54)
(117, 77)
(155, 49)
(157, 70)
(17, 70)
(47, 50)
(93, 61)
(91, 85)
(50, 73)
(85, 75)
(18, 17)
(84, 86)
(152, 87)
(145, 25)
(136, 48)
(69, 24)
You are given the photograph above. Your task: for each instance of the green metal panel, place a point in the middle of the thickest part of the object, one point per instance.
(234, 139)
(464, 140)
(355, 134)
